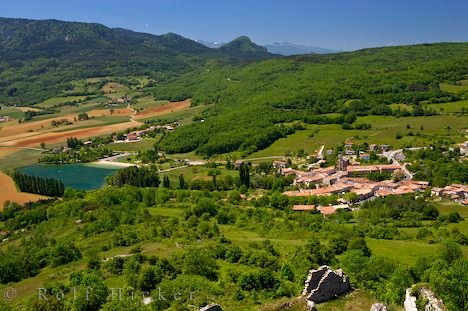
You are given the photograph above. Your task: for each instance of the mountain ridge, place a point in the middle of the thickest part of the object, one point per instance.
(38, 57)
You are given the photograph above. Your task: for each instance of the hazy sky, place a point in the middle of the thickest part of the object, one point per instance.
(338, 24)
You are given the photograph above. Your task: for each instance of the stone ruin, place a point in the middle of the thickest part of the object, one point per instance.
(324, 284)
(211, 307)
(433, 304)
(378, 307)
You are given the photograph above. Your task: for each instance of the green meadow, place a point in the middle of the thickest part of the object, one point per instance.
(384, 131)
(145, 144)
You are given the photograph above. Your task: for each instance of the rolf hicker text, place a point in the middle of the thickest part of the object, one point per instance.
(114, 294)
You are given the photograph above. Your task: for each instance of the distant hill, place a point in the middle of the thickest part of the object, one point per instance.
(255, 102)
(38, 57)
(281, 48)
(213, 45)
(244, 48)
(287, 49)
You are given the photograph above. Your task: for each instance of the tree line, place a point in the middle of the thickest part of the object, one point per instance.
(136, 176)
(38, 185)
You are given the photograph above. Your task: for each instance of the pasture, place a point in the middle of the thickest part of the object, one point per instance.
(60, 100)
(461, 86)
(148, 102)
(145, 144)
(422, 132)
(183, 117)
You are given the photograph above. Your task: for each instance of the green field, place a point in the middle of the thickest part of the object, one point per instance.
(454, 107)
(94, 122)
(383, 131)
(59, 100)
(147, 102)
(145, 144)
(455, 88)
(21, 158)
(12, 112)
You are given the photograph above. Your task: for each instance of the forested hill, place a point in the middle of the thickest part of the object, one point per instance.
(243, 47)
(37, 57)
(252, 100)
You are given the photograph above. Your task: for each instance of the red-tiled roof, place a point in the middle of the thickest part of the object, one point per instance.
(302, 208)
(327, 210)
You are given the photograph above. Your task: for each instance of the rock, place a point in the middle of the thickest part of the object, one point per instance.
(433, 304)
(311, 306)
(325, 283)
(378, 307)
(211, 307)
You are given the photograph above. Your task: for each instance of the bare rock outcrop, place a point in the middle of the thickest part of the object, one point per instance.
(324, 284)
(432, 302)
(378, 307)
(410, 301)
(211, 307)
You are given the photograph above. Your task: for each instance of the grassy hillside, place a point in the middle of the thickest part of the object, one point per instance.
(245, 255)
(253, 100)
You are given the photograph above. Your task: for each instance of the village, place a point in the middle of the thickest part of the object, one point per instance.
(349, 179)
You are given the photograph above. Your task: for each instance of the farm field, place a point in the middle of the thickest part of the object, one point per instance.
(11, 158)
(454, 107)
(145, 144)
(60, 100)
(148, 102)
(9, 192)
(462, 86)
(183, 117)
(161, 110)
(12, 112)
(383, 131)
(192, 173)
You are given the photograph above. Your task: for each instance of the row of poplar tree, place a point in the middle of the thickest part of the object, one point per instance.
(38, 185)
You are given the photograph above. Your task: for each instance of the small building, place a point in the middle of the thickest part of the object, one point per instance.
(303, 208)
(384, 147)
(238, 163)
(327, 210)
(355, 170)
(87, 143)
(365, 156)
(132, 136)
(373, 147)
(4, 119)
(329, 151)
(280, 164)
(342, 163)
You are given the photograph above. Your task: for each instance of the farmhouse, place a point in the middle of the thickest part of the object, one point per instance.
(304, 208)
(132, 136)
(364, 156)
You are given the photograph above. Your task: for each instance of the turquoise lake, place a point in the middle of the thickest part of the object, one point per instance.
(76, 176)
